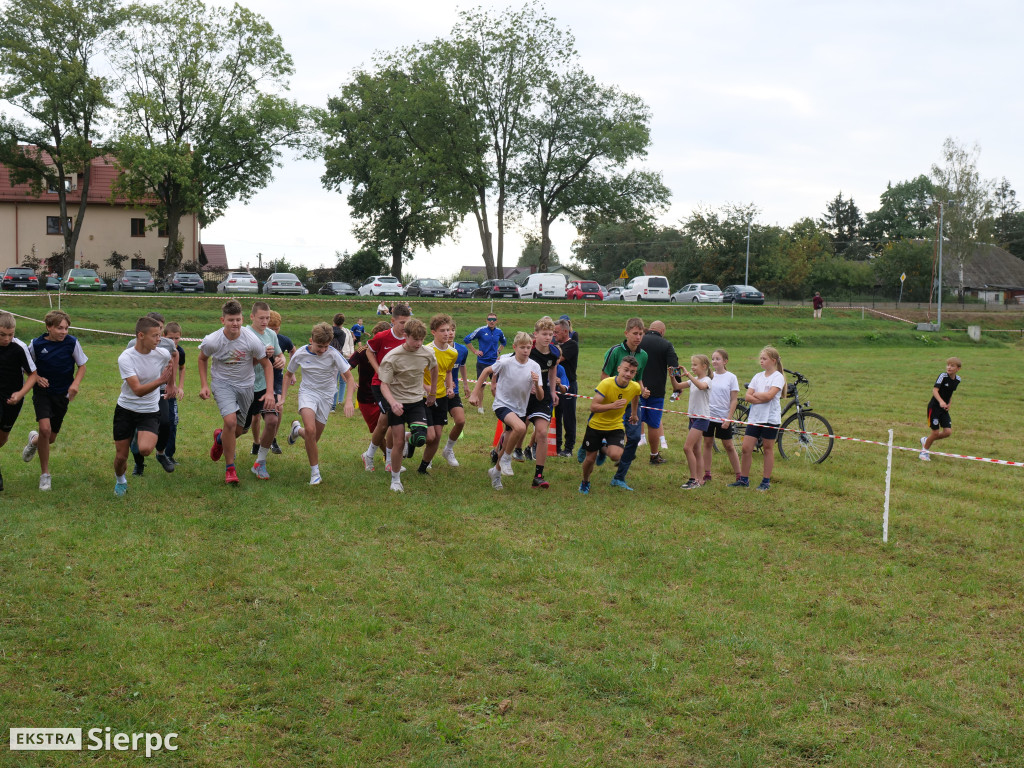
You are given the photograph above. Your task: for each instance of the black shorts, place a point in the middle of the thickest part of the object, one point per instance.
(594, 438)
(454, 402)
(257, 408)
(412, 413)
(126, 423)
(765, 432)
(9, 413)
(50, 405)
(437, 414)
(538, 408)
(717, 430)
(938, 418)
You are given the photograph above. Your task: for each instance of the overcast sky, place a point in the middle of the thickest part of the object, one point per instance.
(778, 104)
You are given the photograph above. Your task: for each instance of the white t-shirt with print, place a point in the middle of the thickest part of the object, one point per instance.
(147, 368)
(232, 359)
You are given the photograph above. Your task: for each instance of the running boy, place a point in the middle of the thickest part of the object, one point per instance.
(377, 348)
(172, 331)
(455, 407)
(607, 411)
(56, 356)
(938, 406)
(437, 414)
(144, 368)
(539, 409)
(259, 320)
(401, 388)
(322, 365)
(166, 394)
(233, 350)
(517, 379)
(15, 361)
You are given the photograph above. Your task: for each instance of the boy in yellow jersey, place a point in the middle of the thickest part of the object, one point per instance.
(437, 414)
(605, 427)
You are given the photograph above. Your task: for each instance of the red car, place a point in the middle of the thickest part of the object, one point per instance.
(584, 289)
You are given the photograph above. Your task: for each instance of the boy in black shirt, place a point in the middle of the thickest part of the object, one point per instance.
(15, 361)
(938, 406)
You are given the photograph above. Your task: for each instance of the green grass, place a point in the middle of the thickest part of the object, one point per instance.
(282, 625)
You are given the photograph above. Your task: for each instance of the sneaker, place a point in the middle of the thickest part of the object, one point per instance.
(616, 483)
(255, 449)
(44, 481)
(387, 468)
(120, 489)
(164, 462)
(706, 479)
(216, 450)
(367, 462)
(657, 458)
(449, 455)
(740, 484)
(602, 457)
(505, 465)
(423, 470)
(480, 410)
(30, 448)
(138, 469)
(275, 448)
(585, 487)
(764, 486)
(517, 455)
(581, 455)
(495, 474)
(260, 470)
(293, 434)
(314, 479)
(540, 482)
(643, 440)
(690, 485)
(664, 445)
(231, 476)
(924, 452)
(494, 455)
(397, 487)
(564, 454)
(530, 454)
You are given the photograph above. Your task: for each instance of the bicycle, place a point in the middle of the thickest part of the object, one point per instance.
(798, 443)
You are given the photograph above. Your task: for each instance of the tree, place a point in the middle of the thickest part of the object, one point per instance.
(116, 261)
(360, 265)
(578, 144)
(719, 238)
(605, 247)
(906, 213)
(203, 122)
(914, 258)
(531, 254)
(843, 222)
(966, 200)
(384, 145)
(1008, 219)
(48, 53)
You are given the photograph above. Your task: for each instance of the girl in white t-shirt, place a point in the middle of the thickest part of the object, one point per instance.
(725, 390)
(699, 382)
(764, 395)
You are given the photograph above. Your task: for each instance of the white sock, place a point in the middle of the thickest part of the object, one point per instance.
(396, 477)
(450, 445)
(261, 457)
(387, 455)
(372, 450)
(121, 479)
(314, 470)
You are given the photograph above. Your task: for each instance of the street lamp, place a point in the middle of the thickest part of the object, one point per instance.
(746, 275)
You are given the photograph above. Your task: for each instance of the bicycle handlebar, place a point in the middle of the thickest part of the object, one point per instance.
(800, 378)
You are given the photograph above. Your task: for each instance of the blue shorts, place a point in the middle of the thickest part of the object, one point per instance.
(502, 412)
(701, 424)
(766, 432)
(651, 411)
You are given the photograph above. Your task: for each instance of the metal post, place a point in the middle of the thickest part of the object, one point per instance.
(938, 314)
(746, 275)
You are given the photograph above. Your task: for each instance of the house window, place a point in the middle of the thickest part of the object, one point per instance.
(53, 186)
(53, 225)
(138, 227)
(161, 231)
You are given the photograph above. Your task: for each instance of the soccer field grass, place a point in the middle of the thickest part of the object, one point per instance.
(278, 624)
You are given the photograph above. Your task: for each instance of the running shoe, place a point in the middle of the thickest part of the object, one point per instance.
(293, 434)
(314, 479)
(530, 454)
(643, 440)
(585, 487)
(602, 457)
(449, 455)
(216, 450)
(564, 454)
(581, 455)
(367, 462)
(494, 455)
(495, 474)
(397, 487)
(30, 448)
(657, 458)
(924, 452)
(540, 482)
(505, 465)
(164, 462)
(740, 484)
(275, 448)
(764, 486)
(44, 481)
(231, 476)
(260, 470)
(120, 489)
(664, 445)
(517, 455)
(616, 483)
(690, 485)
(138, 469)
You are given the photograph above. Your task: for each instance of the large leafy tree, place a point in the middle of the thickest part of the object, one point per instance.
(843, 222)
(1008, 219)
(906, 212)
(204, 120)
(578, 144)
(387, 139)
(49, 52)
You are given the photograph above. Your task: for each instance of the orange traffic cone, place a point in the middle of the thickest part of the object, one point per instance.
(552, 439)
(497, 433)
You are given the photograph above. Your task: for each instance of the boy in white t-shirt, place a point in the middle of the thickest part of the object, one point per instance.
(233, 350)
(322, 365)
(144, 368)
(764, 395)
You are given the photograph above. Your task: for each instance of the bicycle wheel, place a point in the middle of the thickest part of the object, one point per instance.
(811, 448)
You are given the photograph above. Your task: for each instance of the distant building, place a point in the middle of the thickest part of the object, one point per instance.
(479, 273)
(213, 257)
(111, 224)
(990, 273)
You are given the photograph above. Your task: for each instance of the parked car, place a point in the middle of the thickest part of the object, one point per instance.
(613, 293)
(584, 289)
(337, 289)
(381, 285)
(84, 280)
(543, 285)
(462, 289)
(283, 282)
(186, 282)
(646, 288)
(135, 280)
(703, 293)
(497, 289)
(20, 277)
(53, 283)
(426, 287)
(742, 294)
(238, 282)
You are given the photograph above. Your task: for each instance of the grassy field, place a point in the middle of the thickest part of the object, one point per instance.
(278, 624)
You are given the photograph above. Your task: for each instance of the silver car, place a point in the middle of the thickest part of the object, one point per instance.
(283, 282)
(702, 293)
(238, 282)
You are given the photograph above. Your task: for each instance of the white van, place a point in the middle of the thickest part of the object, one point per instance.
(646, 288)
(542, 285)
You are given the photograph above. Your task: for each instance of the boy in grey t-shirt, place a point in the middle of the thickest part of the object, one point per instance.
(233, 350)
